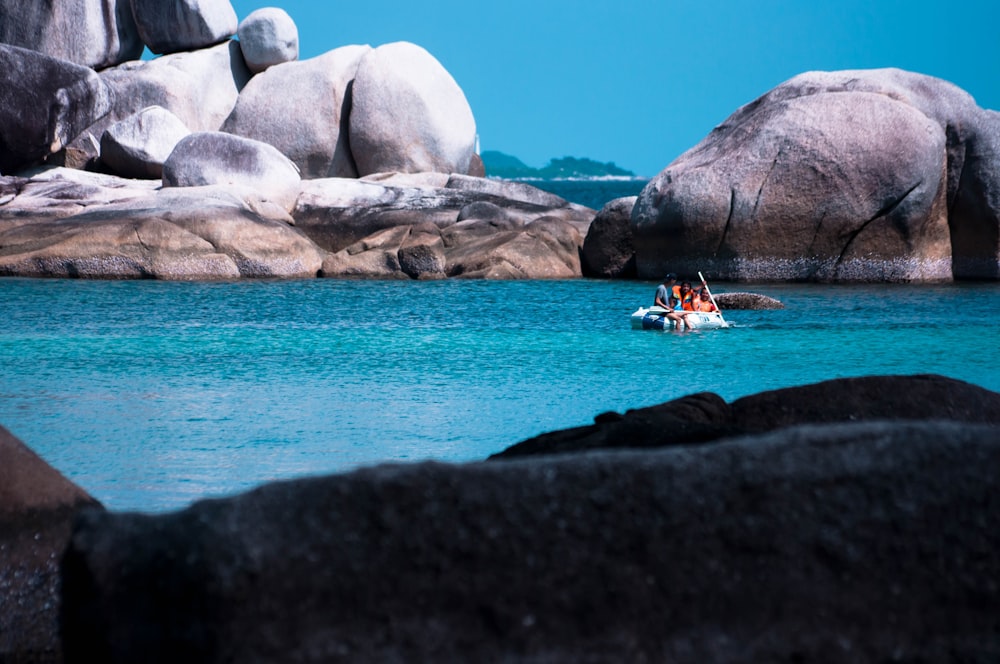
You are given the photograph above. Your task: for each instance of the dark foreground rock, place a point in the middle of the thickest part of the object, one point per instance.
(706, 417)
(37, 505)
(854, 542)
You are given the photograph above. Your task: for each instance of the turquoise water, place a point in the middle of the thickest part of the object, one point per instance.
(152, 394)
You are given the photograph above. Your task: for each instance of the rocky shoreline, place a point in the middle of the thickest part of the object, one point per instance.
(231, 158)
(850, 520)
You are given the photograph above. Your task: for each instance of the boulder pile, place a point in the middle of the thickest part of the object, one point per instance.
(224, 159)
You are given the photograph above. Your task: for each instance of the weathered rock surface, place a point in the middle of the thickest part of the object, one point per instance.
(217, 158)
(223, 213)
(749, 301)
(879, 175)
(45, 103)
(609, 248)
(91, 33)
(137, 146)
(869, 542)
(370, 228)
(706, 417)
(66, 223)
(268, 37)
(37, 505)
(409, 114)
(199, 87)
(168, 26)
(303, 109)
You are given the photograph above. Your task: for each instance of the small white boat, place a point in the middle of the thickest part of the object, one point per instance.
(655, 318)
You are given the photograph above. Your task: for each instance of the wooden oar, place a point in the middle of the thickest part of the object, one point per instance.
(712, 298)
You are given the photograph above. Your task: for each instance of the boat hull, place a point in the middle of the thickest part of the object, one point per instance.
(655, 319)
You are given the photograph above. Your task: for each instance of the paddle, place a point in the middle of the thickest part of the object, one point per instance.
(712, 298)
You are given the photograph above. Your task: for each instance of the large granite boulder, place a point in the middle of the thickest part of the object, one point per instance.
(707, 417)
(91, 33)
(878, 175)
(218, 158)
(303, 109)
(45, 104)
(199, 87)
(37, 506)
(865, 542)
(137, 146)
(434, 225)
(65, 223)
(409, 114)
(268, 37)
(168, 26)
(609, 248)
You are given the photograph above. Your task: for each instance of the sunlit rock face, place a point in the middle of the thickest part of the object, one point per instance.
(268, 37)
(880, 175)
(217, 158)
(409, 115)
(303, 109)
(137, 146)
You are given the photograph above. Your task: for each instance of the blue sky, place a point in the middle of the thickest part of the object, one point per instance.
(637, 82)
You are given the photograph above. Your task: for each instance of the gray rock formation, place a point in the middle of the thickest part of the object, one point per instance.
(373, 228)
(218, 158)
(868, 542)
(748, 301)
(137, 146)
(303, 109)
(66, 223)
(168, 26)
(609, 248)
(268, 37)
(37, 506)
(409, 114)
(91, 33)
(707, 417)
(199, 87)
(45, 104)
(878, 175)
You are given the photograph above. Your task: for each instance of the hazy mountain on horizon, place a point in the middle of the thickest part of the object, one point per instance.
(502, 165)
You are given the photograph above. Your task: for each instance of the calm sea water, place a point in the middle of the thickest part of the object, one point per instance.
(151, 395)
(592, 193)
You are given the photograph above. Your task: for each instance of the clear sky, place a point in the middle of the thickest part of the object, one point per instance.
(637, 82)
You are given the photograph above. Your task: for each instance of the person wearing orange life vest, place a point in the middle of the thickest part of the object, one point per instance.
(685, 295)
(704, 303)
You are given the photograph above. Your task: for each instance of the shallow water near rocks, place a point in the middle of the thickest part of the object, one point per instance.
(151, 395)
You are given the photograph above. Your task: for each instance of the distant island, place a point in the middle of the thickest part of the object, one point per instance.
(505, 166)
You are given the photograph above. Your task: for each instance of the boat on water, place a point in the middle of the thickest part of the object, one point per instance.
(655, 318)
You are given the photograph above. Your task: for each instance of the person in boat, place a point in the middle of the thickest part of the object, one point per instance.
(704, 302)
(686, 296)
(677, 313)
(664, 290)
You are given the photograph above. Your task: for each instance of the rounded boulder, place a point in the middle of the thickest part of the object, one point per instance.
(409, 114)
(211, 158)
(303, 108)
(137, 146)
(268, 37)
